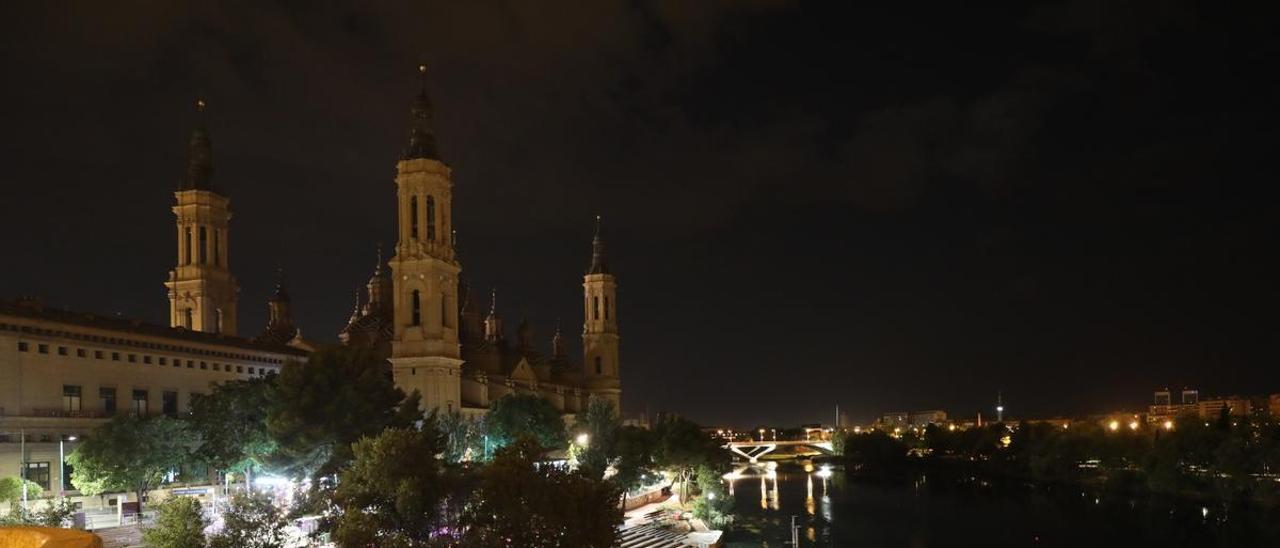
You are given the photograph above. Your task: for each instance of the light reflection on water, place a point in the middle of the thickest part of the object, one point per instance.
(967, 511)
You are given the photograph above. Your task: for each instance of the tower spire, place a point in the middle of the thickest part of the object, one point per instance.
(598, 263)
(199, 155)
(422, 139)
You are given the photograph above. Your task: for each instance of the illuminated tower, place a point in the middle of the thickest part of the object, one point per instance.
(600, 326)
(999, 407)
(425, 355)
(202, 292)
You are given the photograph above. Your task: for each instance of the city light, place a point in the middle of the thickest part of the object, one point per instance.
(1168, 425)
(951, 427)
(1133, 425)
(1114, 425)
(825, 471)
(582, 439)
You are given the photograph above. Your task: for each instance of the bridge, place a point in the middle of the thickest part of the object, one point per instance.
(753, 450)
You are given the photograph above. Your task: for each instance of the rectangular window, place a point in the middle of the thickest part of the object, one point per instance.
(79, 352)
(115, 356)
(204, 245)
(108, 397)
(38, 473)
(97, 354)
(204, 365)
(191, 364)
(186, 245)
(239, 369)
(140, 403)
(606, 307)
(595, 308)
(42, 348)
(71, 398)
(62, 351)
(250, 370)
(22, 347)
(163, 360)
(146, 359)
(217, 252)
(170, 403)
(133, 358)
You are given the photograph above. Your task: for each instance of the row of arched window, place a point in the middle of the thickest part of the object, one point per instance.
(415, 307)
(430, 215)
(202, 251)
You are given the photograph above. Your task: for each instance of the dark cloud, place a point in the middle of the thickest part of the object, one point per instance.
(878, 195)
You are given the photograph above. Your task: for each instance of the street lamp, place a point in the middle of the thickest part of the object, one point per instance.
(62, 464)
(582, 439)
(761, 434)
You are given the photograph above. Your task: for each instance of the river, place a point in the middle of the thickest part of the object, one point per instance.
(925, 511)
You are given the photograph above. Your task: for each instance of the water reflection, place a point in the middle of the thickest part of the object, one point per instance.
(832, 510)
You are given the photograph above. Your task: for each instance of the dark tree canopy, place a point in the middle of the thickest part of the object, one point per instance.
(325, 404)
(515, 414)
(231, 423)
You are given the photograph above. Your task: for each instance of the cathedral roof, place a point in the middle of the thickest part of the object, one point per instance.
(36, 311)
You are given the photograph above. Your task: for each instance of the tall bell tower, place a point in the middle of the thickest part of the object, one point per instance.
(202, 292)
(425, 354)
(600, 326)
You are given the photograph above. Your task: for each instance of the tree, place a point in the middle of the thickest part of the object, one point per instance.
(601, 424)
(339, 395)
(251, 521)
(129, 454)
(714, 506)
(682, 447)
(635, 449)
(524, 503)
(392, 493)
(179, 523)
(231, 424)
(516, 414)
(53, 513)
(11, 489)
(463, 437)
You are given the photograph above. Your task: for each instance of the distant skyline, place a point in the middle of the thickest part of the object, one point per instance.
(880, 206)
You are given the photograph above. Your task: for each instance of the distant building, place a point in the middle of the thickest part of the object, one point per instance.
(925, 418)
(895, 419)
(1191, 405)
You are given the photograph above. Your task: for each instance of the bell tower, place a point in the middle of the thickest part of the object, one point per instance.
(600, 326)
(202, 292)
(425, 354)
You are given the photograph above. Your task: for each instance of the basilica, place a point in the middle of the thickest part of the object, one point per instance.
(417, 311)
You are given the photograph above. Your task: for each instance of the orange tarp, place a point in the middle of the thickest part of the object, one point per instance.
(47, 537)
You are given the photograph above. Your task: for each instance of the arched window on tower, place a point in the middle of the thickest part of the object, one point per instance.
(413, 217)
(416, 306)
(186, 318)
(445, 316)
(186, 245)
(217, 248)
(599, 367)
(204, 245)
(431, 218)
(606, 307)
(595, 308)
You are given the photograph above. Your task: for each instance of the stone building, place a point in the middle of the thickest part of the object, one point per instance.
(420, 314)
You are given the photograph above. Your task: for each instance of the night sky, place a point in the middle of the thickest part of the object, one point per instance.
(895, 207)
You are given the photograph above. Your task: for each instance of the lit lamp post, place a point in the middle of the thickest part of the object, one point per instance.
(62, 464)
(761, 434)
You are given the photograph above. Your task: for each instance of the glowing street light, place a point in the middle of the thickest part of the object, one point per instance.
(1133, 425)
(1114, 425)
(1168, 424)
(582, 439)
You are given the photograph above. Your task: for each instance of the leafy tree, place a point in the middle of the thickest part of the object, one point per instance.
(601, 424)
(129, 454)
(251, 521)
(463, 437)
(682, 447)
(11, 489)
(339, 395)
(875, 450)
(53, 513)
(635, 449)
(516, 414)
(523, 503)
(714, 506)
(392, 493)
(180, 523)
(231, 424)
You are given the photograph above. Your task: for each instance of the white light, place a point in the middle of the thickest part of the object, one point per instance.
(71, 438)
(711, 496)
(582, 439)
(825, 471)
(272, 481)
(1000, 408)
(1204, 511)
